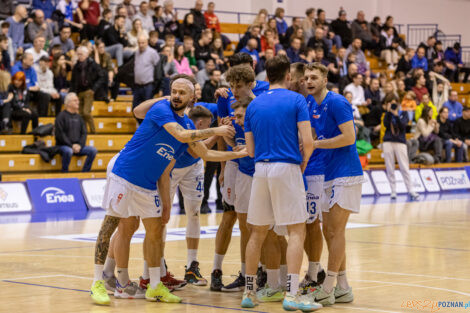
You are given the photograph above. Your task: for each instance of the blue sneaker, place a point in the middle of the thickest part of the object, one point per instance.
(249, 299)
(303, 303)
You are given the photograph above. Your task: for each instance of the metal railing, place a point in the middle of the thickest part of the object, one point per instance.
(417, 33)
(449, 40)
(466, 55)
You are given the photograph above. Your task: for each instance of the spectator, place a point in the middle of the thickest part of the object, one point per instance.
(7, 9)
(404, 64)
(203, 75)
(440, 93)
(69, 10)
(181, 62)
(293, 52)
(103, 59)
(372, 93)
(189, 52)
(355, 88)
(89, 16)
(211, 86)
(16, 30)
(115, 40)
(262, 21)
(308, 24)
(212, 21)
(199, 20)
(454, 64)
(394, 146)
(347, 79)
(292, 30)
(375, 28)
(425, 102)
(20, 109)
(419, 60)
(26, 66)
(39, 27)
(203, 51)
(169, 67)
(145, 17)
(152, 5)
(46, 83)
(5, 28)
(70, 135)
(361, 62)
(5, 101)
(342, 66)
(357, 116)
(400, 89)
(409, 104)
(158, 21)
(268, 54)
(59, 70)
(217, 53)
(131, 11)
(420, 88)
(87, 77)
(427, 130)
(5, 63)
(189, 28)
(37, 50)
(462, 129)
(448, 136)
(105, 22)
(252, 33)
(136, 31)
(64, 41)
(388, 46)
(122, 11)
(319, 41)
(105, 5)
(320, 57)
(389, 23)
(361, 29)
(438, 52)
(454, 106)
(281, 24)
(429, 48)
(272, 26)
(310, 56)
(268, 41)
(330, 35)
(373, 119)
(251, 49)
(169, 13)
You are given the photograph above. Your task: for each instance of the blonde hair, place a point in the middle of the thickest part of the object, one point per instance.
(5, 80)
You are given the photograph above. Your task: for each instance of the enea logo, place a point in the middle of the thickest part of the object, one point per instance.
(240, 141)
(56, 195)
(165, 151)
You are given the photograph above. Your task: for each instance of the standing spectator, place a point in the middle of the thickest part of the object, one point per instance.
(59, 70)
(293, 52)
(252, 33)
(87, 77)
(448, 136)
(189, 28)
(211, 86)
(375, 28)
(425, 102)
(427, 130)
(5, 63)
(199, 20)
(169, 13)
(281, 24)
(251, 48)
(116, 42)
(404, 64)
(394, 146)
(203, 75)
(181, 62)
(212, 21)
(37, 50)
(454, 106)
(308, 24)
(145, 17)
(7, 9)
(361, 29)
(16, 30)
(131, 11)
(64, 41)
(39, 27)
(361, 62)
(429, 48)
(158, 21)
(46, 83)
(26, 66)
(136, 31)
(103, 59)
(70, 135)
(342, 28)
(454, 64)
(105, 22)
(388, 46)
(420, 88)
(355, 88)
(20, 109)
(419, 60)
(89, 15)
(462, 130)
(203, 49)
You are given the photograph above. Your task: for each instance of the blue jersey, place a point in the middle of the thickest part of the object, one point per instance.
(246, 165)
(341, 162)
(186, 159)
(210, 106)
(316, 164)
(272, 118)
(146, 156)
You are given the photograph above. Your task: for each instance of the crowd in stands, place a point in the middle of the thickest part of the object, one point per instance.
(143, 46)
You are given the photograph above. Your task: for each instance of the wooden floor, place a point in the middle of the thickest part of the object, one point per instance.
(397, 253)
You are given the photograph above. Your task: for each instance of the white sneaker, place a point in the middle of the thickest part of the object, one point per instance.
(414, 196)
(393, 196)
(129, 291)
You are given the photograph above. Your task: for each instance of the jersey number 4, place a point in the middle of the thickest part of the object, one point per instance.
(200, 187)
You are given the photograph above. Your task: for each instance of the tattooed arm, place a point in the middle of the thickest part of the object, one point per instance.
(190, 135)
(141, 110)
(109, 225)
(199, 149)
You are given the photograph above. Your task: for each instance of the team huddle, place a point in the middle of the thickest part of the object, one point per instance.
(289, 163)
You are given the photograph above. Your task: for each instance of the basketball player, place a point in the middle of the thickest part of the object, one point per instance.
(229, 171)
(132, 188)
(273, 122)
(332, 118)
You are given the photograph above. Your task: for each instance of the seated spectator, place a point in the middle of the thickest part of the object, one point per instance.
(89, 16)
(401, 89)
(440, 88)
(356, 114)
(252, 33)
(87, 77)
(347, 79)
(158, 21)
(203, 49)
(71, 133)
(376, 28)
(211, 86)
(17, 26)
(21, 109)
(319, 41)
(450, 139)
(292, 30)
(136, 31)
(105, 22)
(462, 130)
(425, 102)
(45, 6)
(419, 60)
(189, 52)
(308, 24)
(361, 62)
(427, 130)
(217, 53)
(105, 5)
(155, 42)
(268, 41)
(281, 24)
(131, 11)
(37, 50)
(271, 25)
(343, 29)
(69, 9)
(404, 64)
(454, 64)
(169, 66)
(103, 59)
(5, 102)
(372, 93)
(212, 21)
(60, 72)
(8, 45)
(293, 52)
(189, 28)
(388, 46)
(454, 106)
(169, 12)
(115, 40)
(320, 57)
(438, 52)
(203, 75)
(420, 88)
(46, 83)
(170, 41)
(39, 27)
(361, 29)
(145, 17)
(429, 48)
(310, 56)
(268, 54)
(64, 41)
(181, 62)
(409, 104)
(373, 119)
(355, 88)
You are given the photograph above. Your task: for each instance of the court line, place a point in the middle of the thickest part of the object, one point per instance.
(31, 277)
(48, 249)
(405, 245)
(365, 309)
(39, 285)
(415, 275)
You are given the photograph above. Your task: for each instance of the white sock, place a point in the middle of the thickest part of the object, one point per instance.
(292, 284)
(243, 269)
(263, 266)
(109, 266)
(218, 259)
(154, 273)
(342, 280)
(330, 281)
(98, 273)
(162, 268)
(122, 276)
(283, 274)
(250, 282)
(273, 278)
(192, 256)
(313, 270)
(145, 274)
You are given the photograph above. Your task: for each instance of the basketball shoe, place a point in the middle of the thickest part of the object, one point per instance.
(193, 276)
(161, 294)
(237, 285)
(216, 280)
(171, 282)
(343, 295)
(300, 302)
(322, 297)
(268, 294)
(109, 282)
(130, 291)
(143, 283)
(99, 294)
(249, 299)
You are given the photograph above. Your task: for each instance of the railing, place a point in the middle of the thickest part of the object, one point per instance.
(417, 33)
(466, 55)
(449, 40)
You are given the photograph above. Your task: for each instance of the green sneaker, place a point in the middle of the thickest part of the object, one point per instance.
(267, 294)
(99, 294)
(161, 294)
(321, 296)
(343, 296)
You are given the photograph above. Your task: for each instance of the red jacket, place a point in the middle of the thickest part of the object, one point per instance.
(92, 14)
(212, 21)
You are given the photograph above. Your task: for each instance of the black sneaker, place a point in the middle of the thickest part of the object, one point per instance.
(321, 277)
(205, 208)
(193, 276)
(237, 285)
(261, 278)
(307, 285)
(216, 280)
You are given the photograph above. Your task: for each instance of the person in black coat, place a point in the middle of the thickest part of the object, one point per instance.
(189, 27)
(448, 136)
(253, 32)
(211, 86)
(199, 20)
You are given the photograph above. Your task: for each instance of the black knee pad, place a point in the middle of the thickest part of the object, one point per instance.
(228, 207)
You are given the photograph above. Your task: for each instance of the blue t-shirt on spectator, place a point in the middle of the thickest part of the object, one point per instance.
(16, 33)
(30, 73)
(419, 63)
(455, 109)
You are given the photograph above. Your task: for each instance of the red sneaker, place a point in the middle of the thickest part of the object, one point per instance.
(171, 282)
(144, 282)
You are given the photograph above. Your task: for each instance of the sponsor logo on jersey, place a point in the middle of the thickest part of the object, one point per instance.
(56, 195)
(165, 151)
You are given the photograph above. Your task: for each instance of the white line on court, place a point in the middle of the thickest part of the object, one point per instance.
(31, 277)
(407, 274)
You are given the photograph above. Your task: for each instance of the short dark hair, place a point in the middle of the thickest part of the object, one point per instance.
(5, 24)
(106, 11)
(44, 59)
(186, 37)
(389, 97)
(153, 33)
(118, 17)
(240, 73)
(309, 11)
(3, 37)
(298, 68)
(277, 68)
(242, 103)
(240, 58)
(354, 76)
(198, 112)
(214, 70)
